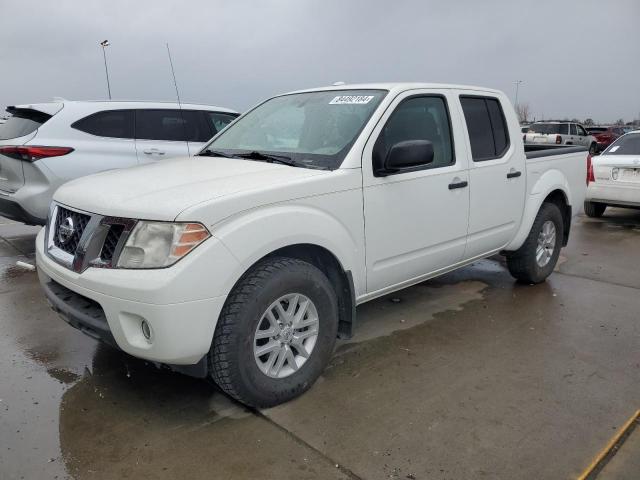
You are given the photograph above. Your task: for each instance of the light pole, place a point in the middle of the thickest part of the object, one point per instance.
(517, 82)
(104, 44)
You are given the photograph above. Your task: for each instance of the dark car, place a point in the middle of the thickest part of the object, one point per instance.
(605, 136)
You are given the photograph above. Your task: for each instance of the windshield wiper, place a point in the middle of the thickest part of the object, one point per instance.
(271, 158)
(215, 153)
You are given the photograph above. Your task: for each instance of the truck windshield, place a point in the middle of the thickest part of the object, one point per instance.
(628, 144)
(313, 129)
(549, 128)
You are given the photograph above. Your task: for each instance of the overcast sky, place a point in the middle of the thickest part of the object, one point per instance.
(577, 58)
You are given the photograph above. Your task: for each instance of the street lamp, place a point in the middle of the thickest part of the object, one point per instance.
(104, 44)
(517, 82)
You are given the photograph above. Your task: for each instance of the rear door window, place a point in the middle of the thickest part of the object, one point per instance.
(572, 129)
(487, 127)
(109, 123)
(160, 125)
(22, 122)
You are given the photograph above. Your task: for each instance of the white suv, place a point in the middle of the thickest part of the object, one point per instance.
(45, 145)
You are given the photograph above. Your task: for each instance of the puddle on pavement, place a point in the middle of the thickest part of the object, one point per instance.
(414, 306)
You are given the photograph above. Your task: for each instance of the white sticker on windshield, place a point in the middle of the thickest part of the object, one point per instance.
(614, 149)
(351, 99)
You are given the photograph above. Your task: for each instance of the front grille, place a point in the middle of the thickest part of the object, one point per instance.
(111, 242)
(65, 218)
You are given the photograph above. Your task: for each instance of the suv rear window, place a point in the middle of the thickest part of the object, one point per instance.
(109, 123)
(487, 127)
(22, 122)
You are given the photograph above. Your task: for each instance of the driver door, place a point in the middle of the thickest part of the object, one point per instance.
(415, 221)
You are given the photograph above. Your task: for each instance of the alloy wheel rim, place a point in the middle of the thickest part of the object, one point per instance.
(286, 335)
(546, 243)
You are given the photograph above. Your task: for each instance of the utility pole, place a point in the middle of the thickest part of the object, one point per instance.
(517, 82)
(104, 44)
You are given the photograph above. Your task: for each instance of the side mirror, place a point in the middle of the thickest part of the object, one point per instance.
(407, 155)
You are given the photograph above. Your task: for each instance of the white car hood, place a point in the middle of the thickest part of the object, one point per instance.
(162, 190)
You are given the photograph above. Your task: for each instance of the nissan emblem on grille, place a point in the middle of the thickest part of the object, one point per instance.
(66, 230)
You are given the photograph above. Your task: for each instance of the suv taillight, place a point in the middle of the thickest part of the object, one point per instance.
(558, 139)
(590, 176)
(33, 153)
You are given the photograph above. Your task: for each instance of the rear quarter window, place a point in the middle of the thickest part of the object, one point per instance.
(109, 123)
(22, 122)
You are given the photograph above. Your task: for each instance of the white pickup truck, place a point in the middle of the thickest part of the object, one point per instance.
(245, 263)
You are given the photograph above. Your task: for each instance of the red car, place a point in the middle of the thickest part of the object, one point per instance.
(605, 136)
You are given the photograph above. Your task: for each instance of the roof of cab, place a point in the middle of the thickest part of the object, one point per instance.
(397, 87)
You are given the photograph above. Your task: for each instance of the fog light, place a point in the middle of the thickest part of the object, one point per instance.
(146, 330)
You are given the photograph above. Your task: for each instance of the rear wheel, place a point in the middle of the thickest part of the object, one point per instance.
(275, 334)
(534, 261)
(594, 209)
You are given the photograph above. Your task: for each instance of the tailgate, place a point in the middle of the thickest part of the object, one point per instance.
(21, 126)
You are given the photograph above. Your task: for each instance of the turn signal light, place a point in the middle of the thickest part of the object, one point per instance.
(31, 153)
(191, 236)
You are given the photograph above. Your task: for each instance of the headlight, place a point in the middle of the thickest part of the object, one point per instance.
(160, 244)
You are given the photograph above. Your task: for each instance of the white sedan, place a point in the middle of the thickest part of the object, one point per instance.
(615, 179)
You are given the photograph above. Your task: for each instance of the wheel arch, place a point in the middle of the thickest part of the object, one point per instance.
(551, 187)
(325, 261)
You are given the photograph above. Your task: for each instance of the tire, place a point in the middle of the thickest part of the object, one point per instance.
(234, 365)
(594, 209)
(593, 149)
(524, 264)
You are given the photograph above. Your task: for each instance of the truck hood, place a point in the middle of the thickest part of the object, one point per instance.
(162, 190)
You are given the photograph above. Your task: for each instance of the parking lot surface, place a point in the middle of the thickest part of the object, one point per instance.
(470, 375)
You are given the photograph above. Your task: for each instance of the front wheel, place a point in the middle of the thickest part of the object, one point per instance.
(594, 209)
(275, 334)
(534, 261)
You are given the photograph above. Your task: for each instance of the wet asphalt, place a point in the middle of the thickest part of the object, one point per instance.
(470, 375)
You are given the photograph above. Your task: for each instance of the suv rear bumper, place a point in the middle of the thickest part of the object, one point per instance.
(12, 210)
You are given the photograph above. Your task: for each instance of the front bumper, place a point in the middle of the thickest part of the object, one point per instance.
(181, 332)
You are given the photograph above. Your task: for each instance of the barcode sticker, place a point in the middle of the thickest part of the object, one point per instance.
(351, 100)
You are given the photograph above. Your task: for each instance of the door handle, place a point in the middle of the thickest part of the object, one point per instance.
(455, 185)
(514, 174)
(153, 151)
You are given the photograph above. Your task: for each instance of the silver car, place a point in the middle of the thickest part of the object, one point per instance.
(560, 133)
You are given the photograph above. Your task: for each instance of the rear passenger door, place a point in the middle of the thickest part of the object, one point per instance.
(573, 135)
(161, 134)
(415, 221)
(496, 175)
(103, 141)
